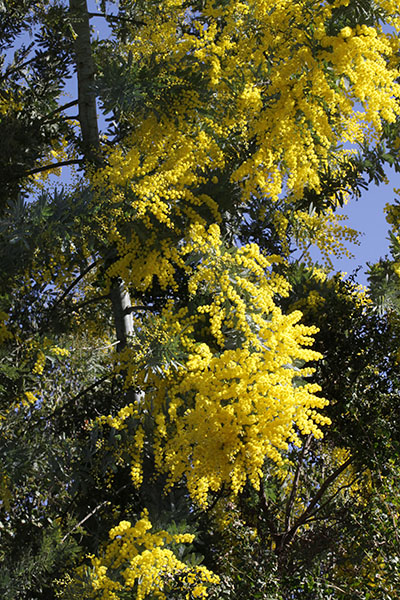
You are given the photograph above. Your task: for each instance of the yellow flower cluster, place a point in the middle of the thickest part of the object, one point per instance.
(327, 232)
(392, 10)
(139, 560)
(273, 78)
(9, 103)
(227, 412)
(239, 397)
(38, 367)
(46, 347)
(118, 422)
(315, 300)
(29, 399)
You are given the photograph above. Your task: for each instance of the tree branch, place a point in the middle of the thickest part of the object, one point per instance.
(342, 487)
(89, 388)
(60, 109)
(63, 163)
(74, 283)
(12, 70)
(288, 536)
(264, 507)
(296, 482)
(116, 18)
(77, 307)
(59, 409)
(122, 313)
(93, 512)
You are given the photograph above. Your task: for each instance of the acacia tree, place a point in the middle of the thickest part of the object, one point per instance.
(153, 351)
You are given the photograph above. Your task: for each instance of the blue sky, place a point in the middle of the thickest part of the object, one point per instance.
(367, 216)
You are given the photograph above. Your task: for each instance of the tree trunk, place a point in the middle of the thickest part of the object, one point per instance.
(85, 69)
(121, 304)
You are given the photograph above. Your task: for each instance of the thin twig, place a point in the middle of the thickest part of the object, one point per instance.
(76, 307)
(93, 512)
(135, 308)
(339, 589)
(100, 347)
(90, 388)
(74, 283)
(59, 409)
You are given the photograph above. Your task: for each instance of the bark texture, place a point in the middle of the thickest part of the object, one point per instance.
(85, 70)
